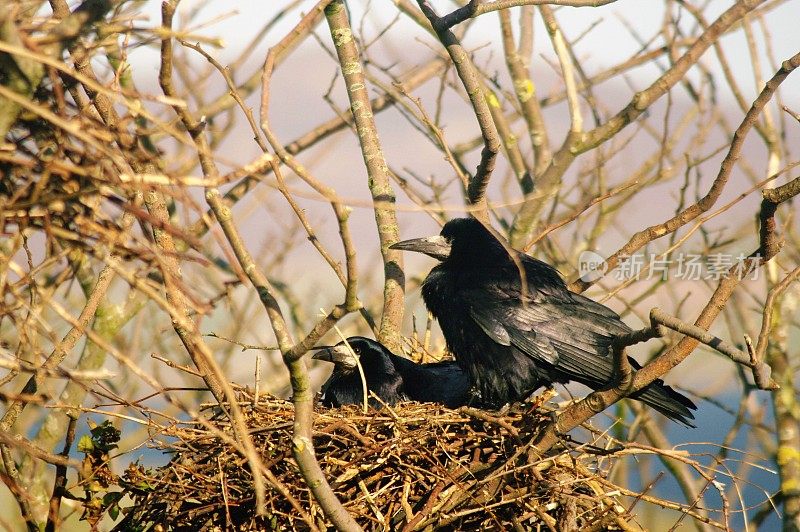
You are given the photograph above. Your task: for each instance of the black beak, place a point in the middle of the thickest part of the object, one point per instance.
(434, 246)
(323, 354)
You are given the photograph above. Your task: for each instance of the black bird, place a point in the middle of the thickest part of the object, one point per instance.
(392, 378)
(511, 341)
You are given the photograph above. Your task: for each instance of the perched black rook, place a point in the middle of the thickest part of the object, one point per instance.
(512, 341)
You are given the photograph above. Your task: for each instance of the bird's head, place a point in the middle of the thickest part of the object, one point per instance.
(460, 238)
(344, 355)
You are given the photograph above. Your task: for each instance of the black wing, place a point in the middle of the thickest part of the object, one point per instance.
(440, 382)
(567, 331)
(552, 326)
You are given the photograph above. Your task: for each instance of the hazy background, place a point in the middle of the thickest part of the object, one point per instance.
(300, 86)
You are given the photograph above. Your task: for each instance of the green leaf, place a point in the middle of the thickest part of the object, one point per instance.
(112, 497)
(144, 486)
(85, 444)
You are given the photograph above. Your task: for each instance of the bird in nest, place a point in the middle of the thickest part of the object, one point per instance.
(389, 377)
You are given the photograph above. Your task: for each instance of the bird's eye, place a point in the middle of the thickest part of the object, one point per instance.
(357, 350)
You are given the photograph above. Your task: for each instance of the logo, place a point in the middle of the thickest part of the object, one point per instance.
(591, 266)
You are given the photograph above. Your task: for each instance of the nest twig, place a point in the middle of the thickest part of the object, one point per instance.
(412, 467)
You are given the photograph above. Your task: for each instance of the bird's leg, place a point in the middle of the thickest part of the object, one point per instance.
(533, 417)
(540, 400)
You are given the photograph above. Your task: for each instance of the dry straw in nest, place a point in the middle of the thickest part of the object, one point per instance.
(410, 467)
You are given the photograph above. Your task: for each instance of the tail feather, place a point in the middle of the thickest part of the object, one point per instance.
(667, 401)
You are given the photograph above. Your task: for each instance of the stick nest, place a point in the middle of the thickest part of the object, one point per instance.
(410, 467)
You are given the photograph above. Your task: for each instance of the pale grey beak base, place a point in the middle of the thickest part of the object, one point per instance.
(434, 246)
(340, 355)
